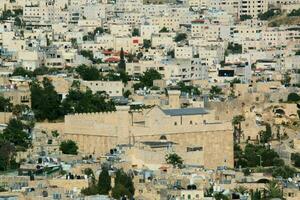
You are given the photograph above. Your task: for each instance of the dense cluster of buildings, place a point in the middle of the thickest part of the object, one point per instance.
(217, 59)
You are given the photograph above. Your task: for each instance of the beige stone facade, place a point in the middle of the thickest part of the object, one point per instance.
(97, 133)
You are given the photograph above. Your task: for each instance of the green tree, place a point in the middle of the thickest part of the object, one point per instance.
(215, 91)
(284, 172)
(273, 190)
(88, 37)
(74, 42)
(220, 196)
(87, 54)
(45, 101)
(269, 14)
(239, 159)
(91, 190)
(234, 81)
(88, 171)
(189, 89)
(68, 147)
(20, 71)
(98, 31)
(234, 48)
(146, 44)
(293, 97)
(294, 13)
(241, 190)
(174, 159)
(7, 155)
(78, 101)
(15, 133)
(171, 53)
(18, 22)
(286, 80)
(180, 36)
(237, 127)
(122, 63)
(127, 93)
(164, 30)
(17, 11)
(122, 179)
(120, 75)
(55, 133)
(245, 17)
(149, 76)
(120, 191)
(20, 110)
(88, 73)
(296, 159)
(40, 71)
(104, 182)
(256, 155)
(5, 105)
(6, 14)
(266, 136)
(135, 32)
(256, 195)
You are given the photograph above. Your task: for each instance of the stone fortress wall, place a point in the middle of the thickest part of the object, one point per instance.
(97, 133)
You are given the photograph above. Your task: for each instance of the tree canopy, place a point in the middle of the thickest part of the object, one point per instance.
(245, 17)
(135, 32)
(180, 36)
(45, 101)
(296, 159)
(146, 44)
(234, 48)
(188, 89)
(5, 105)
(174, 159)
(104, 183)
(69, 147)
(269, 14)
(293, 97)
(123, 185)
(149, 76)
(88, 73)
(254, 155)
(15, 137)
(78, 101)
(122, 63)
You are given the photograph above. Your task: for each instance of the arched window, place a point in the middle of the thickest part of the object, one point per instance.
(163, 137)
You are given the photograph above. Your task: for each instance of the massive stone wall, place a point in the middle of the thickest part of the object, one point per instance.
(97, 133)
(216, 140)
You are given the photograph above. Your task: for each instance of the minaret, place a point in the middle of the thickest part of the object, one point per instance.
(174, 98)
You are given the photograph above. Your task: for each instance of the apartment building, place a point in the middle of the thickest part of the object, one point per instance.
(252, 7)
(120, 29)
(163, 39)
(112, 88)
(183, 52)
(148, 30)
(179, 69)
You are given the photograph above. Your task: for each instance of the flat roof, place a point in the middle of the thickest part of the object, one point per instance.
(185, 111)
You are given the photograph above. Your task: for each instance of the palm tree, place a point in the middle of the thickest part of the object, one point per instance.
(273, 190)
(241, 190)
(237, 127)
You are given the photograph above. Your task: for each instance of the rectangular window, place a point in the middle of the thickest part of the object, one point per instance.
(189, 149)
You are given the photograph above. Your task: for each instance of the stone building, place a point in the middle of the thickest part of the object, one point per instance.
(97, 133)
